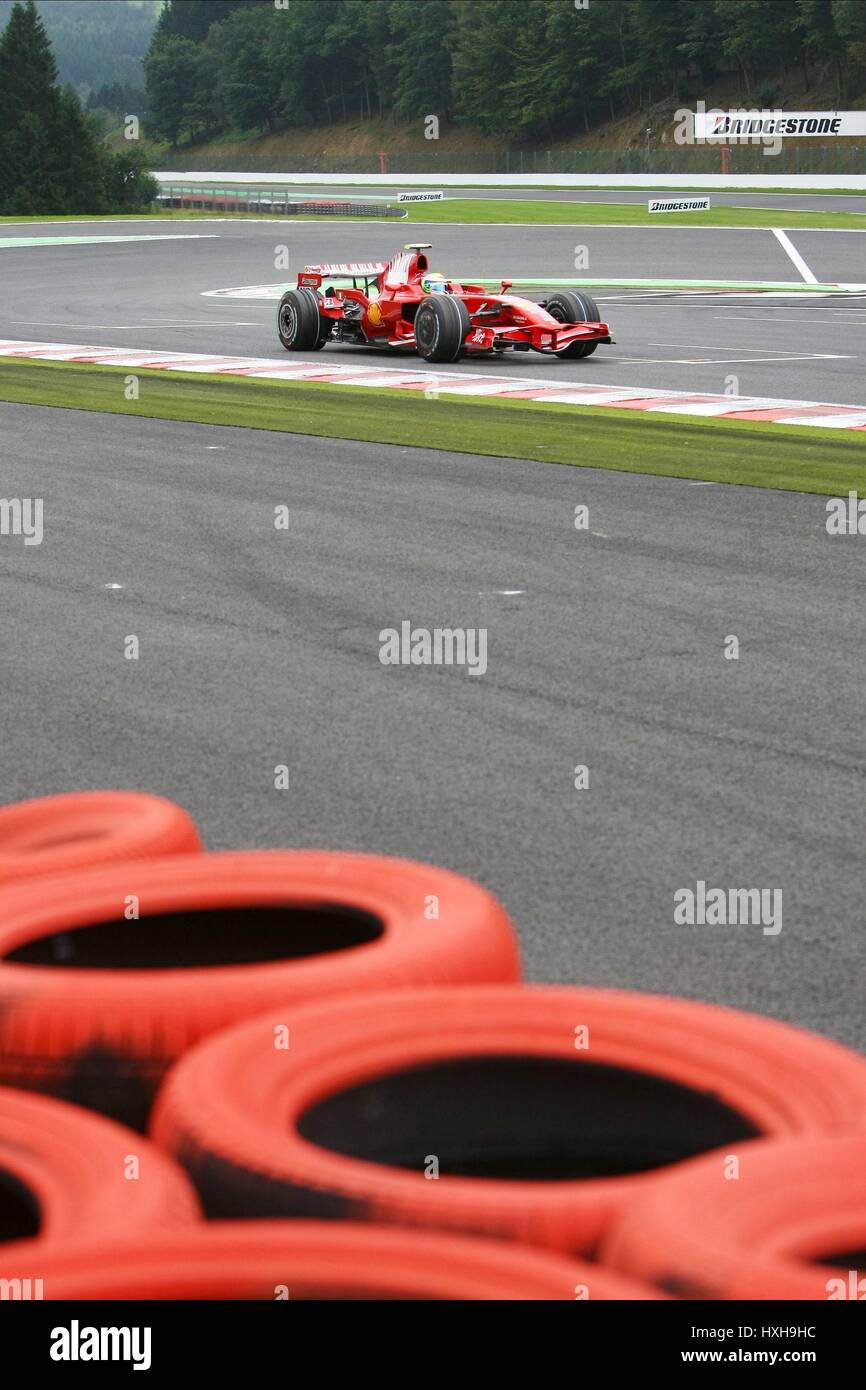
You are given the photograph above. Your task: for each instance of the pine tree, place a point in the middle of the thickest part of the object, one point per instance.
(191, 19)
(28, 72)
(52, 159)
(28, 100)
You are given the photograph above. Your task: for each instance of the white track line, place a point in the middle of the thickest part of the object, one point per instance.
(794, 255)
(770, 318)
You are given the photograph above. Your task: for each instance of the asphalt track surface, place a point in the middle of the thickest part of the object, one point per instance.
(153, 295)
(605, 647)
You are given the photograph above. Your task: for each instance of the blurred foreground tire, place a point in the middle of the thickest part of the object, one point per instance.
(533, 1113)
(56, 834)
(95, 1002)
(313, 1260)
(790, 1225)
(67, 1174)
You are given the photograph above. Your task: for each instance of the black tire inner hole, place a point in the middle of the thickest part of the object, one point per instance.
(214, 936)
(523, 1118)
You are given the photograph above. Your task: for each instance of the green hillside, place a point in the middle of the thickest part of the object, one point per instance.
(96, 42)
(511, 72)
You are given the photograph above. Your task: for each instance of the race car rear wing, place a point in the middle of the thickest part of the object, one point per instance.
(346, 269)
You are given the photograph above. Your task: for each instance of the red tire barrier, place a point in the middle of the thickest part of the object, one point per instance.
(791, 1225)
(57, 834)
(68, 1174)
(312, 1260)
(533, 1135)
(94, 1007)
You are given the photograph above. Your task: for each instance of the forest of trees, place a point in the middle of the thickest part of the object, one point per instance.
(52, 157)
(517, 69)
(96, 41)
(119, 98)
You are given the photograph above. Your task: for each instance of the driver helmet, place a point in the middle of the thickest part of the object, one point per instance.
(433, 282)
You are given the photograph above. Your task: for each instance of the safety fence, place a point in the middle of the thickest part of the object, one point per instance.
(804, 158)
(193, 198)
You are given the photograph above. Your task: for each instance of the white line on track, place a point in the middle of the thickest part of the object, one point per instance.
(731, 347)
(722, 361)
(196, 323)
(769, 318)
(139, 327)
(794, 256)
(665, 299)
(102, 239)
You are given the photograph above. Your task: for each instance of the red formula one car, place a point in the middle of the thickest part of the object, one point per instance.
(405, 304)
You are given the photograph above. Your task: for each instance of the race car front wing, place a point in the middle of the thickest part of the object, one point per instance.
(537, 336)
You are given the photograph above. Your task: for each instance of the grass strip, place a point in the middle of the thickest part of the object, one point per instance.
(481, 210)
(542, 212)
(798, 459)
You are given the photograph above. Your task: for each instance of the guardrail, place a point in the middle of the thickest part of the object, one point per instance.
(196, 198)
(798, 182)
(839, 158)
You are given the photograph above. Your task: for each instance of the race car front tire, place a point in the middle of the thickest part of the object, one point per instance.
(300, 326)
(441, 325)
(574, 306)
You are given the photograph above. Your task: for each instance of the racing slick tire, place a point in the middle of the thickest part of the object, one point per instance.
(108, 974)
(56, 834)
(66, 1174)
(574, 306)
(300, 326)
(310, 1260)
(540, 1110)
(441, 325)
(791, 1225)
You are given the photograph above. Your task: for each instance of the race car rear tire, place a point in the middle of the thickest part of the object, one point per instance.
(574, 306)
(55, 834)
(441, 325)
(300, 326)
(68, 1175)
